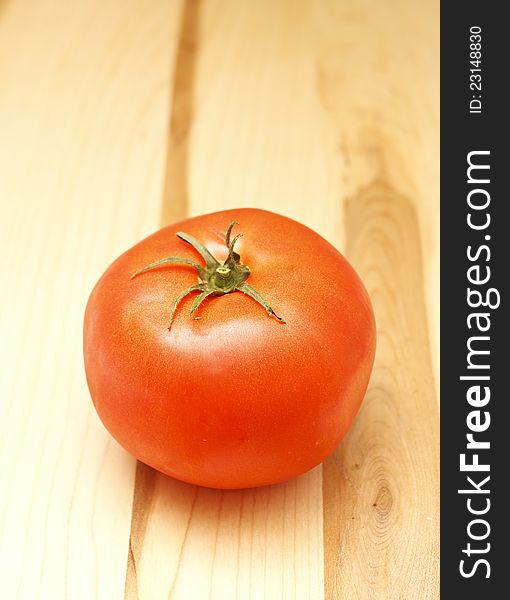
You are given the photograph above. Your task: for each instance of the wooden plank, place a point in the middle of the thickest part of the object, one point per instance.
(381, 487)
(193, 542)
(248, 69)
(83, 113)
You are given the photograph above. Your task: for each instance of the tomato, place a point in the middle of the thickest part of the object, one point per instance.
(255, 388)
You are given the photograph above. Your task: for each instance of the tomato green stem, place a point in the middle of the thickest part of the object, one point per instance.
(215, 278)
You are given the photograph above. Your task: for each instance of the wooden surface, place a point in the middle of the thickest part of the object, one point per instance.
(118, 117)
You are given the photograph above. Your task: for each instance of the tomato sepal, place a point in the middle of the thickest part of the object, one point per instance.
(216, 279)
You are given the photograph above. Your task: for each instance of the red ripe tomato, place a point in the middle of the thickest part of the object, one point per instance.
(236, 398)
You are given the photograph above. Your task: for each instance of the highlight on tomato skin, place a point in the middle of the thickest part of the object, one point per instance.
(229, 350)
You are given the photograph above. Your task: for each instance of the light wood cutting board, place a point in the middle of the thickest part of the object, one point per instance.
(119, 117)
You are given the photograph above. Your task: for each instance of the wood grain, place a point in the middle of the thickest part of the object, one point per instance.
(381, 487)
(118, 117)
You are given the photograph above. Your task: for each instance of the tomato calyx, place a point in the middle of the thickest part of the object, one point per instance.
(215, 279)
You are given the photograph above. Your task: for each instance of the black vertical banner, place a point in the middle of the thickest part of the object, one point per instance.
(475, 237)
